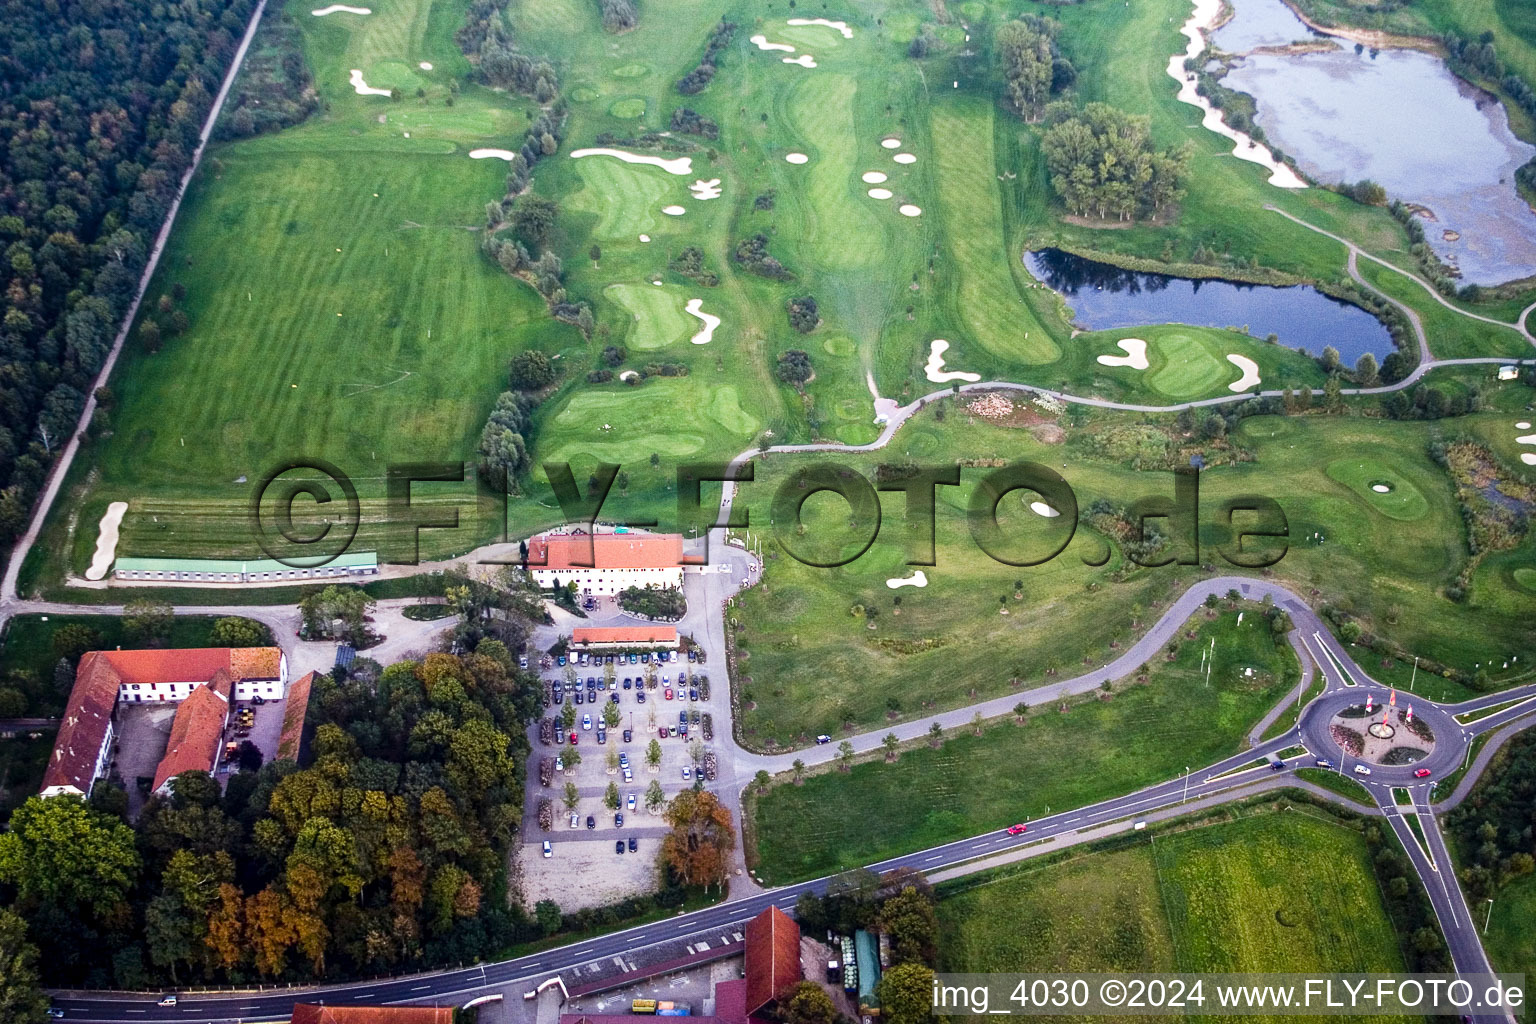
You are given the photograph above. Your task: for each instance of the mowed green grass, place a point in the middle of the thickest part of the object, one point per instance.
(1184, 363)
(1403, 502)
(660, 318)
(626, 198)
(1143, 734)
(1188, 369)
(840, 229)
(1277, 891)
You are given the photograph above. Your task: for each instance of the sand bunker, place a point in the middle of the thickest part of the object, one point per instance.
(1135, 354)
(702, 189)
(645, 238)
(762, 43)
(681, 165)
(841, 26)
(908, 210)
(1250, 370)
(674, 211)
(335, 8)
(873, 177)
(1528, 458)
(891, 143)
(1522, 426)
(1381, 488)
(362, 87)
(880, 193)
(805, 60)
(1526, 439)
(935, 368)
(795, 158)
(485, 154)
(106, 541)
(696, 308)
(425, 65)
(917, 579)
(628, 375)
(1205, 14)
(904, 158)
(1040, 508)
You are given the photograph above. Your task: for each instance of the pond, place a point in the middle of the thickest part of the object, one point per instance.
(1256, 23)
(1399, 118)
(1104, 297)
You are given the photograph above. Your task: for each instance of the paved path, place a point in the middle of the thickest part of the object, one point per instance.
(61, 468)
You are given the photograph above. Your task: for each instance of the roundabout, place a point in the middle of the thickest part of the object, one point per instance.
(1363, 725)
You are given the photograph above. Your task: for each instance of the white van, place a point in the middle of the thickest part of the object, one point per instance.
(575, 821)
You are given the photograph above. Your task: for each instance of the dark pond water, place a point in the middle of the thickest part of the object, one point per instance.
(1104, 297)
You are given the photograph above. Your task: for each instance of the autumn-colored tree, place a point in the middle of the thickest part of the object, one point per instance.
(226, 929)
(269, 930)
(699, 846)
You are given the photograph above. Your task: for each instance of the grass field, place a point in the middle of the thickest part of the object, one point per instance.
(1403, 501)
(1274, 891)
(1143, 734)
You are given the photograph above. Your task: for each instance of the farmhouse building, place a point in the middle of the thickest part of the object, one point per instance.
(103, 679)
(617, 561)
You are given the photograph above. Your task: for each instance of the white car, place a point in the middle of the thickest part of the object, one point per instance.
(559, 764)
(575, 821)
(687, 774)
(549, 851)
(586, 722)
(1361, 769)
(631, 802)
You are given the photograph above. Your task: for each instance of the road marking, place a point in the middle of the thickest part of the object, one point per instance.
(935, 857)
(421, 988)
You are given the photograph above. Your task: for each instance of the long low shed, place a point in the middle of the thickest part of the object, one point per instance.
(243, 570)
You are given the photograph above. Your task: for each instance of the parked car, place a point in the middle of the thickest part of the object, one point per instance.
(573, 739)
(823, 738)
(613, 698)
(1361, 769)
(628, 735)
(618, 819)
(682, 718)
(579, 697)
(640, 697)
(560, 661)
(687, 773)
(690, 654)
(1018, 830)
(627, 682)
(1422, 773)
(586, 723)
(549, 851)
(633, 846)
(669, 693)
(633, 659)
(618, 846)
(575, 821)
(602, 735)
(629, 776)
(662, 731)
(591, 822)
(522, 661)
(559, 764)
(623, 759)
(630, 803)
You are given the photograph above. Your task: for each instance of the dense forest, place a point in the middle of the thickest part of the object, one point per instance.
(100, 108)
(1493, 826)
(1103, 164)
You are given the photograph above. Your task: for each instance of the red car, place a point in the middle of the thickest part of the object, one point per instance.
(662, 732)
(1422, 773)
(669, 693)
(573, 739)
(1017, 830)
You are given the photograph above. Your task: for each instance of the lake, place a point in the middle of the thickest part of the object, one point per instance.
(1104, 297)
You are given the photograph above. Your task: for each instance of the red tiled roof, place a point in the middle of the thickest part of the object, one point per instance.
(84, 728)
(197, 729)
(773, 957)
(606, 551)
(624, 635)
(100, 673)
(309, 1013)
(293, 717)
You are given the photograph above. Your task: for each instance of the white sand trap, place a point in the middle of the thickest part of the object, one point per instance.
(841, 26)
(674, 211)
(762, 43)
(908, 210)
(935, 368)
(1381, 488)
(339, 8)
(628, 375)
(1528, 458)
(1250, 370)
(1040, 508)
(805, 60)
(491, 154)
(1135, 354)
(904, 158)
(1522, 425)
(645, 238)
(917, 579)
(796, 158)
(1205, 14)
(681, 165)
(362, 87)
(1526, 439)
(106, 541)
(425, 65)
(696, 308)
(891, 143)
(702, 189)
(880, 193)
(873, 177)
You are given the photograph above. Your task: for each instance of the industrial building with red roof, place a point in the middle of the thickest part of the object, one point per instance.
(606, 563)
(591, 638)
(313, 1013)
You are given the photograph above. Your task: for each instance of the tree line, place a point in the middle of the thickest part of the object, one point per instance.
(100, 109)
(1032, 64)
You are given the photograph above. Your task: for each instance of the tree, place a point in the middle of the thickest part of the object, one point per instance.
(845, 755)
(799, 769)
(21, 997)
(699, 846)
(1024, 53)
(567, 716)
(61, 854)
(534, 218)
(547, 913)
(807, 1003)
(653, 753)
(906, 994)
(72, 640)
(935, 734)
(890, 743)
(611, 715)
(572, 796)
(654, 797)
(762, 780)
(1102, 163)
(611, 796)
(909, 919)
(1366, 372)
(1329, 360)
(531, 370)
(236, 631)
(147, 622)
(596, 253)
(794, 367)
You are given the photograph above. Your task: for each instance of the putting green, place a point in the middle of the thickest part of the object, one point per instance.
(583, 94)
(1526, 577)
(629, 109)
(627, 198)
(724, 408)
(812, 39)
(1403, 502)
(839, 345)
(660, 319)
(635, 70)
(1183, 367)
